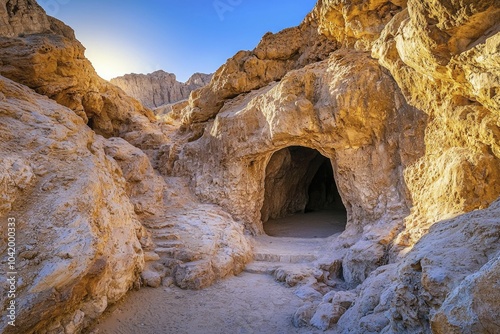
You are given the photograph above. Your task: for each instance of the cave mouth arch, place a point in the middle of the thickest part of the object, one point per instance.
(301, 198)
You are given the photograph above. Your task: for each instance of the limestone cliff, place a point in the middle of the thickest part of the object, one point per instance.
(42, 53)
(158, 88)
(78, 237)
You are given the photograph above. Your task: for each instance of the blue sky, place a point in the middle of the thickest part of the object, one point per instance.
(178, 36)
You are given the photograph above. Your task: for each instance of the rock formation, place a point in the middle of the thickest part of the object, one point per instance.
(42, 53)
(94, 219)
(78, 237)
(404, 103)
(158, 88)
(401, 96)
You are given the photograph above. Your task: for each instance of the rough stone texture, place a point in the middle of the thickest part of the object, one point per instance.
(401, 96)
(158, 88)
(403, 99)
(459, 93)
(369, 135)
(355, 23)
(144, 186)
(22, 17)
(325, 316)
(473, 306)
(78, 237)
(42, 53)
(275, 55)
(197, 243)
(303, 315)
(424, 286)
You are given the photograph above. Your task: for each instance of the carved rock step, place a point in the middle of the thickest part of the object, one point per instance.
(285, 258)
(169, 243)
(158, 224)
(261, 267)
(287, 250)
(165, 235)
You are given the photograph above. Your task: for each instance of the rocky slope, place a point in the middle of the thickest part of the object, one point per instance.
(158, 88)
(78, 237)
(401, 97)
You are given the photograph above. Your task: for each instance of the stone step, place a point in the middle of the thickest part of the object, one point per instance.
(261, 267)
(168, 252)
(165, 235)
(159, 223)
(284, 258)
(168, 243)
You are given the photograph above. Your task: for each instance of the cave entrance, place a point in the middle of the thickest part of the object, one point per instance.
(301, 198)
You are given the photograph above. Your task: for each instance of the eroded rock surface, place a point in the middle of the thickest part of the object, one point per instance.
(403, 100)
(42, 53)
(158, 88)
(400, 96)
(78, 237)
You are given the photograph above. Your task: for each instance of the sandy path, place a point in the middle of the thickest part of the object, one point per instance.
(247, 303)
(319, 224)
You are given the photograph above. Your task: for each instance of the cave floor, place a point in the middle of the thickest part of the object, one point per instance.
(318, 224)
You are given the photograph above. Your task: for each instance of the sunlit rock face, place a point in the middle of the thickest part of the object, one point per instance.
(91, 210)
(402, 98)
(42, 53)
(158, 88)
(275, 56)
(78, 237)
(322, 107)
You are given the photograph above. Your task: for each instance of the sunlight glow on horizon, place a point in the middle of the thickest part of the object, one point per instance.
(183, 38)
(109, 65)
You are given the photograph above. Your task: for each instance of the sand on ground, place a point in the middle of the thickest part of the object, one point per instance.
(318, 224)
(244, 304)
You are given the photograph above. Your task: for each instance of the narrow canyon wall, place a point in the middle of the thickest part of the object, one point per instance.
(77, 235)
(158, 88)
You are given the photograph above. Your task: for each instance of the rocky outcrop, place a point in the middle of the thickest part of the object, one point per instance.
(22, 17)
(42, 53)
(77, 236)
(93, 216)
(402, 98)
(158, 88)
(456, 256)
(275, 56)
(358, 132)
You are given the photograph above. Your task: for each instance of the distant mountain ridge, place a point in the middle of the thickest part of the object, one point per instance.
(159, 88)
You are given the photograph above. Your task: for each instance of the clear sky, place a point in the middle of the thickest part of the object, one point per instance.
(178, 36)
